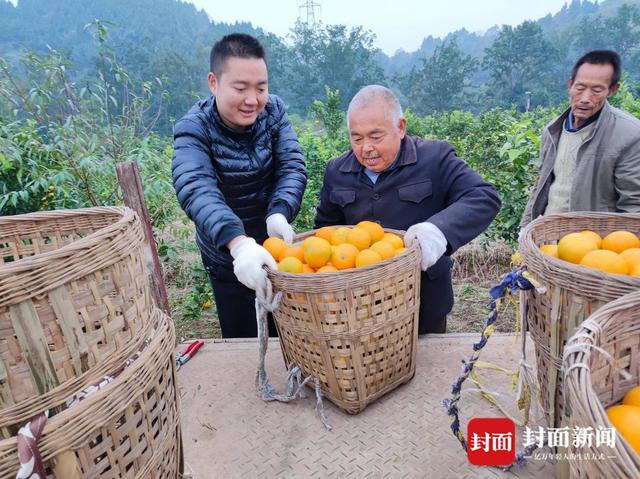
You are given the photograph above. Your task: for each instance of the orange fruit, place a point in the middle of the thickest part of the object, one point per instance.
(307, 239)
(326, 232)
(619, 241)
(626, 420)
(327, 268)
(384, 249)
(367, 257)
(632, 257)
(632, 398)
(360, 238)
(595, 236)
(344, 256)
(394, 239)
(606, 261)
(635, 272)
(375, 230)
(307, 269)
(574, 246)
(339, 236)
(317, 252)
(290, 264)
(295, 251)
(401, 250)
(275, 246)
(550, 249)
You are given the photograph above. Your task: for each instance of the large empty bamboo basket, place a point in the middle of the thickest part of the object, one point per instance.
(129, 428)
(572, 294)
(73, 290)
(355, 330)
(594, 382)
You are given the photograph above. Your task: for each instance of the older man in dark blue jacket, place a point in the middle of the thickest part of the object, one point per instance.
(407, 183)
(239, 175)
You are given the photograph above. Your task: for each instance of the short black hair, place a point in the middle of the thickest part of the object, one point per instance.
(600, 57)
(234, 45)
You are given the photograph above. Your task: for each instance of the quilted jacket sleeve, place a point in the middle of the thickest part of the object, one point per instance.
(196, 183)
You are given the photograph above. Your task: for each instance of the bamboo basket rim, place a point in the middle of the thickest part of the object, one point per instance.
(124, 386)
(580, 351)
(338, 280)
(8, 220)
(555, 268)
(590, 331)
(24, 410)
(126, 216)
(34, 275)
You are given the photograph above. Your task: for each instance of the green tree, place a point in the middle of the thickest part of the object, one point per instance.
(329, 114)
(439, 84)
(180, 74)
(332, 55)
(60, 141)
(278, 63)
(521, 59)
(620, 32)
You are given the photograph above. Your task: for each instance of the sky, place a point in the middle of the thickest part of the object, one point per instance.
(397, 24)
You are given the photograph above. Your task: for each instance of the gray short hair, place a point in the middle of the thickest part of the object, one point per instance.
(369, 93)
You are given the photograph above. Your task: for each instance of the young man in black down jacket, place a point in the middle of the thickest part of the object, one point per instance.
(239, 175)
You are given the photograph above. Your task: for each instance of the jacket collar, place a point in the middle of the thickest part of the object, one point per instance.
(556, 126)
(407, 156)
(222, 126)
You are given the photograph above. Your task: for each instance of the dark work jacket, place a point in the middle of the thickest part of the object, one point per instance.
(229, 182)
(427, 182)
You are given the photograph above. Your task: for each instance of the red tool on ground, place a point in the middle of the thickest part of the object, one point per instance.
(187, 353)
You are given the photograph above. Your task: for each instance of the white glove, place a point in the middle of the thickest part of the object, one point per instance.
(520, 234)
(432, 242)
(278, 226)
(248, 259)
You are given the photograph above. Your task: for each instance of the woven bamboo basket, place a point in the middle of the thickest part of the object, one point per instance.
(572, 293)
(73, 289)
(593, 383)
(355, 330)
(128, 429)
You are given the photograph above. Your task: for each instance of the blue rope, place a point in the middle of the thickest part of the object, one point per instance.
(510, 284)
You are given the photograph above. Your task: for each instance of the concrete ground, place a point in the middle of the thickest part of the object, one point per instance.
(229, 432)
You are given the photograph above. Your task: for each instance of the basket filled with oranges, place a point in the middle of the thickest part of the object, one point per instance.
(584, 260)
(349, 309)
(602, 367)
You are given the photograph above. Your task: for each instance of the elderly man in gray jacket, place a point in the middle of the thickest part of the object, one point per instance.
(590, 155)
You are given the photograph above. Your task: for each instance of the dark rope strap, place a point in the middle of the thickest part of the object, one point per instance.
(517, 280)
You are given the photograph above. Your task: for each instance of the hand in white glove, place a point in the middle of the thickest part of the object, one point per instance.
(432, 242)
(248, 259)
(520, 234)
(278, 226)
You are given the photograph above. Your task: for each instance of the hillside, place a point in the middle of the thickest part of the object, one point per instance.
(474, 43)
(169, 40)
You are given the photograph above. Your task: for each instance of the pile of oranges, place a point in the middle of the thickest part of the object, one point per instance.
(617, 252)
(334, 249)
(626, 417)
